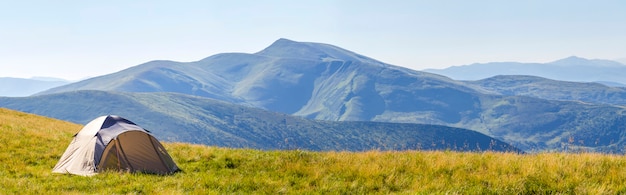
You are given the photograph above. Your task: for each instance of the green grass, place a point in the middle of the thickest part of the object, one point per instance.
(31, 145)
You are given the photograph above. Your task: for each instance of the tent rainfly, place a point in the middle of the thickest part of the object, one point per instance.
(114, 143)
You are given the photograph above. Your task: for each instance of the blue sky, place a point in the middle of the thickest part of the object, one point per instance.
(78, 39)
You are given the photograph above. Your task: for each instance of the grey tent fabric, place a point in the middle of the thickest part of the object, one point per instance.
(114, 143)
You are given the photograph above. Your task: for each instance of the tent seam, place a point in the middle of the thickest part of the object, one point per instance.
(119, 143)
(158, 153)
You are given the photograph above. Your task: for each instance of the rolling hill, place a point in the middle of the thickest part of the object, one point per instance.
(192, 119)
(568, 69)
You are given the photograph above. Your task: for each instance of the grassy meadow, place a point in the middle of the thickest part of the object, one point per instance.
(31, 145)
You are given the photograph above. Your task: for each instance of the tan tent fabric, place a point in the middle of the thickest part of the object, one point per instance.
(138, 153)
(114, 143)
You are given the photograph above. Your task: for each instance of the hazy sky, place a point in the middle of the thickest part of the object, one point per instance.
(77, 39)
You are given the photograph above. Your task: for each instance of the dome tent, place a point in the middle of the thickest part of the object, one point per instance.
(112, 142)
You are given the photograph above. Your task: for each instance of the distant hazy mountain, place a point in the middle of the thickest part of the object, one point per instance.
(184, 118)
(325, 82)
(48, 79)
(568, 69)
(19, 87)
(533, 86)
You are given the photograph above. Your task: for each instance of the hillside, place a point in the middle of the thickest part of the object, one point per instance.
(530, 124)
(31, 146)
(532, 86)
(193, 119)
(568, 69)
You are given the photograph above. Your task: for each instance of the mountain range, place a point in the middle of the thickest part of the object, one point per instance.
(568, 69)
(324, 82)
(20, 87)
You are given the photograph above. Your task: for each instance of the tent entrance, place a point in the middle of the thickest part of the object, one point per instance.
(114, 158)
(136, 151)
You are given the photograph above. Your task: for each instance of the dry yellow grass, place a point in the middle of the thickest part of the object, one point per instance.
(31, 145)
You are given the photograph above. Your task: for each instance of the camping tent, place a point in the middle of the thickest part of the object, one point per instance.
(112, 142)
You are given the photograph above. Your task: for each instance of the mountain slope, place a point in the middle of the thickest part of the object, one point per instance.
(315, 80)
(532, 86)
(19, 87)
(183, 118)
(568, 69)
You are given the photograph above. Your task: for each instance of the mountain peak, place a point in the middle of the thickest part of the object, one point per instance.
(578, 61)
(572, 60)
(286, 48)
(284, 41)
(280, 43)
